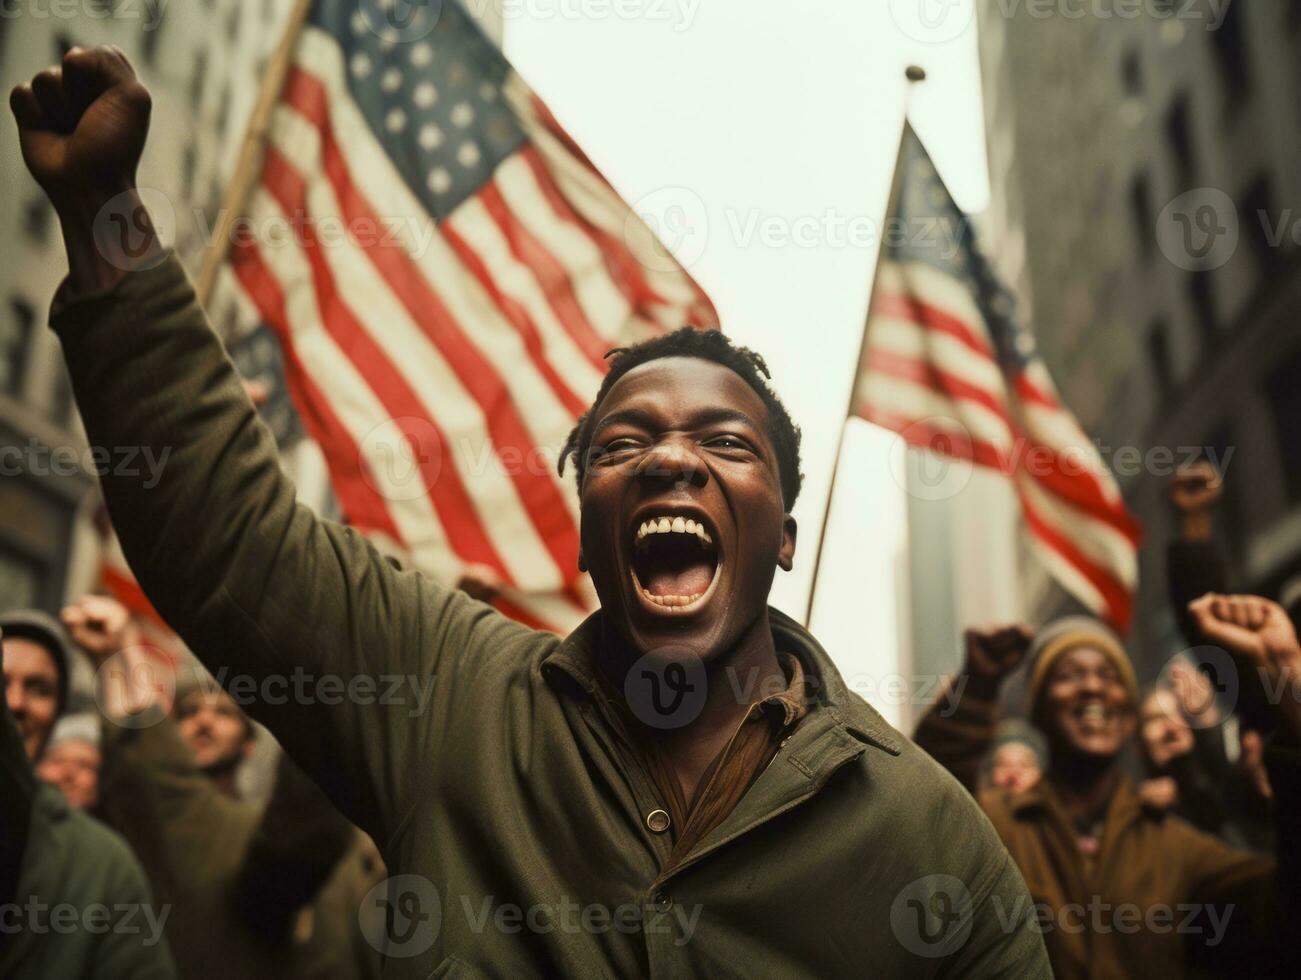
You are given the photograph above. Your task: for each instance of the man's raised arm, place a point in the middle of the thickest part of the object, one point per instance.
(271, 598)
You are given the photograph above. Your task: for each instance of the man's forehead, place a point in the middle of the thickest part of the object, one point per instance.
(32, 655)
(683, 385)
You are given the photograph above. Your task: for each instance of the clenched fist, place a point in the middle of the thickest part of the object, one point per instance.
(82, 126)
(994, 652)
(1259, 634)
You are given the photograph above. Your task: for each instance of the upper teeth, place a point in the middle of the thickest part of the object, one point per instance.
(1094, 712)
(677, 525)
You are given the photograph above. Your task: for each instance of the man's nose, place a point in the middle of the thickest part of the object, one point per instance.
(673, 461)
(14, 699)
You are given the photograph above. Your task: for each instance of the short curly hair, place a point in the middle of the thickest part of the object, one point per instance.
(708, 345)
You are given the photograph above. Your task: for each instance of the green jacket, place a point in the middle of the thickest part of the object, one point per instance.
(471, 748)
(80, 905)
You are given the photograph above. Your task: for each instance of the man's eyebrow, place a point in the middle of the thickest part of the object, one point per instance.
(708, 416)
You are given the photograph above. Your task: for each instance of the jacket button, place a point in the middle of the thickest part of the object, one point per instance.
(657, 821)
(662, 902)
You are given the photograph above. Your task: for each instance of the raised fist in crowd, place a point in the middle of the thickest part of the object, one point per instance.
(1261, 638)
(99, 625)
(996, 651)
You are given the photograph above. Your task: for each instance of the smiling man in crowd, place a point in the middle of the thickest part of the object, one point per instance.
(1122, 887)
(687, 766)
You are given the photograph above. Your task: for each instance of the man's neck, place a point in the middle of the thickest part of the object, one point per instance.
(1084, 784)
(736, 678)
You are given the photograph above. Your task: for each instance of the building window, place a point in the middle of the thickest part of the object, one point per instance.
(1261, 223)
(1158, 352)
(1140, 210)
(196, 80)
(1131, 72)
(1230, 46)
(20, 581)
(1285, 404)
(1201, 294)
(15, 338)
(36, 218)
(1179, 136)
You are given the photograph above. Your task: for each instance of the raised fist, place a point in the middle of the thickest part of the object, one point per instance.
(994, 652)
(1259, 634)
(82, 126)
(99, 625)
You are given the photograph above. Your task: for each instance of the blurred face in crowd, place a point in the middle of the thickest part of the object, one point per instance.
(32, 690)
(1086, 708)
(683, 526)
(1165, 733)
(1015, 767)
(73, 766)
(214, 728)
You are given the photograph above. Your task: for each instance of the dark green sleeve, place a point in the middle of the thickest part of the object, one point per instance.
(347, 659)
(1005, 939)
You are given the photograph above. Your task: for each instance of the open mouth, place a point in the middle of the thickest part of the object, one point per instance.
(675, 562)
(1093, 716)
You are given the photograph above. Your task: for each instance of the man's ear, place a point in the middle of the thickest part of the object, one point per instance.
(786, 557)
(582, 562)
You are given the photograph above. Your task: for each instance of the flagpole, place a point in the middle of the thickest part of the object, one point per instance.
(914, 74)
(248, 165)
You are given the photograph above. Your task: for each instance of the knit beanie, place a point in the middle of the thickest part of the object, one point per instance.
(1066, 634)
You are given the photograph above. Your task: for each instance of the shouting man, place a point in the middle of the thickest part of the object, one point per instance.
(683, 786)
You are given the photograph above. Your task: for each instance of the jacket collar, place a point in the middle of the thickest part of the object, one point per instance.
(572, 664)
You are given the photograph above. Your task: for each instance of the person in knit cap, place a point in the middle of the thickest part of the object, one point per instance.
(1122, 887)
(1016, 757)
(71, 760)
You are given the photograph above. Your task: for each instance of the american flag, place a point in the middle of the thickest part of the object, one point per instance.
(443, 270)
(946, 364)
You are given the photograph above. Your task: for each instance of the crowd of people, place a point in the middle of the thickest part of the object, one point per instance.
(556, 813)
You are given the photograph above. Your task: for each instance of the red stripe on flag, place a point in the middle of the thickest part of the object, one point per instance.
(541, 498)
(361, 504)
(926, 374)
(519, 318)
(924, 314)
(553, 278)
(1120, 604)
(426, 439)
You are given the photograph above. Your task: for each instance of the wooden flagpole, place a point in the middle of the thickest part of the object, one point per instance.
(249, 164)
(914, 74)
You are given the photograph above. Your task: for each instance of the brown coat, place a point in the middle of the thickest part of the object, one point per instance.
(1159, 890)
